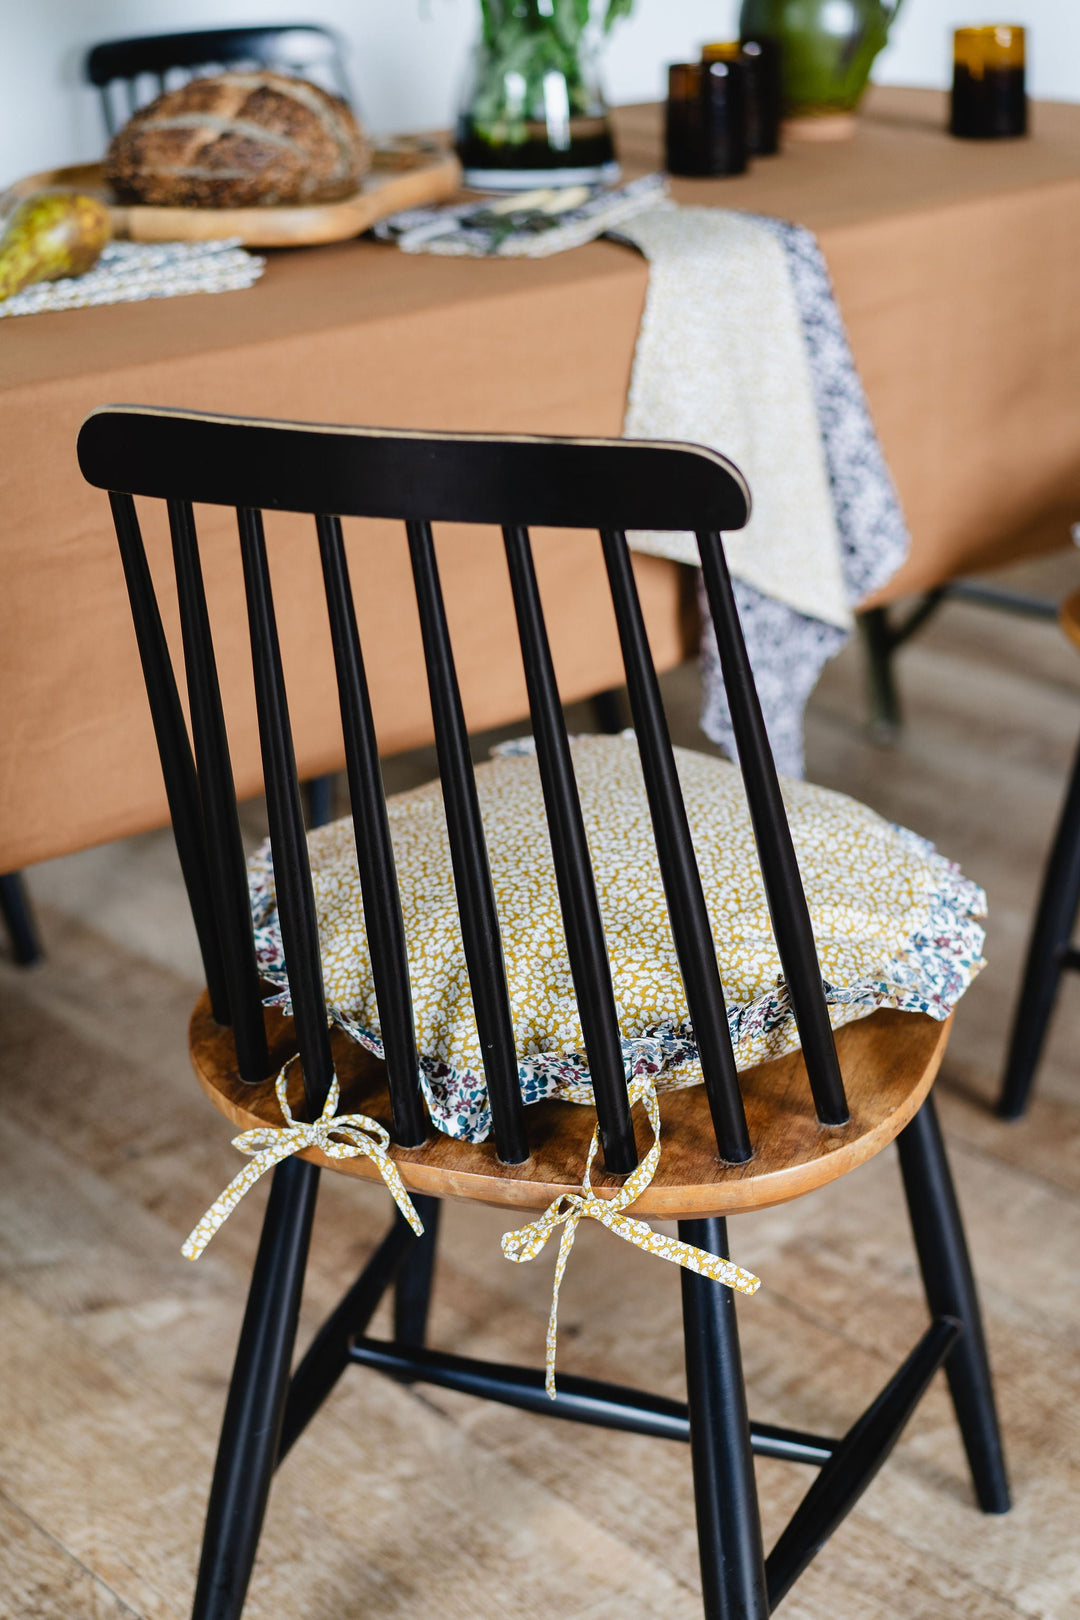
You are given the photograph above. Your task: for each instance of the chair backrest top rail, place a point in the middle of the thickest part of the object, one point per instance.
(113, 59)
(349, 471)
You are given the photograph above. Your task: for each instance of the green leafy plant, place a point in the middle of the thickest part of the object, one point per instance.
(524, 41)
(569, 17)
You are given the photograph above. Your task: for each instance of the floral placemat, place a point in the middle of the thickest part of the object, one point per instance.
(129, 272)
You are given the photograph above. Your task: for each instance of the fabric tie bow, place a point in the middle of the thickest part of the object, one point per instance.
(351, 1136)
(569, 1209)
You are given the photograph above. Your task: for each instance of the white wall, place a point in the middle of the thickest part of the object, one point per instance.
(407, 56)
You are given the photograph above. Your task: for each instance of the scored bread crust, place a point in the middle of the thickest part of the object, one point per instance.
(239, 140)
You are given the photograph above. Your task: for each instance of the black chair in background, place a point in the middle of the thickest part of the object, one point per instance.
(817, 1113)
(119, 67)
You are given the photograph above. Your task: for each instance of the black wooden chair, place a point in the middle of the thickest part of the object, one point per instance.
(120, 67)
(733, 1143)
(1051, 950)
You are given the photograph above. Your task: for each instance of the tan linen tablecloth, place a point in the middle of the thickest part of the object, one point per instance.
(955, 266)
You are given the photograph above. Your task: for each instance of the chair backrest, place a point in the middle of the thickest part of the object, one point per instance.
(422, 478)
(131, 72)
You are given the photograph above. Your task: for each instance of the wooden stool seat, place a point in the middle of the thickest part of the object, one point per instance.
(888, 1062)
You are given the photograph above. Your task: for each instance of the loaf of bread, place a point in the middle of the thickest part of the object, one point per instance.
(239, 140)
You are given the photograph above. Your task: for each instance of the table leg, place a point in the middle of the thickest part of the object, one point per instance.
(19, 918)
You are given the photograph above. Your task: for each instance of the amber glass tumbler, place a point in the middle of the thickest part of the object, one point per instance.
(685, 119)
(760, 61)
(989, 101)
(706, 118)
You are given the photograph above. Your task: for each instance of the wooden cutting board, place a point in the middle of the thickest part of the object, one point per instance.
(384, 191)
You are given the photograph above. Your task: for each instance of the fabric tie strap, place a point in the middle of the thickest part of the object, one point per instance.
(570, 1208)
(351, 1136)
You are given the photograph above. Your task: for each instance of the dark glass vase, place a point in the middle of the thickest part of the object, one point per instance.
(533, 113)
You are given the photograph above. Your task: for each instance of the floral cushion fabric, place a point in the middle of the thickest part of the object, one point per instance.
(896, 924)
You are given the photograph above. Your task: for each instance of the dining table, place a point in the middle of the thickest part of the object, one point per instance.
(954, 264)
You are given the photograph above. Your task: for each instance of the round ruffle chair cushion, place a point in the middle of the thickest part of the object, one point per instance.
(896, 924)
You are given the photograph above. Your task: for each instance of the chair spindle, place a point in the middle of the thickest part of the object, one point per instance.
(292, 873)
(374, 849)
(589, 962)
(174, 748)
(472, 875)
(690, 926)
(776, 851)
(228, 870)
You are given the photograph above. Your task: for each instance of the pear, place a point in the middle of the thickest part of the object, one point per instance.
(52, 234)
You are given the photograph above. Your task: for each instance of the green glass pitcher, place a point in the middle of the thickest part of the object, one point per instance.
(827, 50)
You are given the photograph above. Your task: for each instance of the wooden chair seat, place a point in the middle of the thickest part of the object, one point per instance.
(888, 1062)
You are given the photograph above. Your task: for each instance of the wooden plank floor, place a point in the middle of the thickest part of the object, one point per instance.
(406, 1504)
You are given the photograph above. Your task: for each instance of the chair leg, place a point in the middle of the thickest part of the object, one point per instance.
(250, 1435)
(16, 912)
(412, 1291)
(725, 1492)
(328, 1354)
(950, 1291)
(1046, 958)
